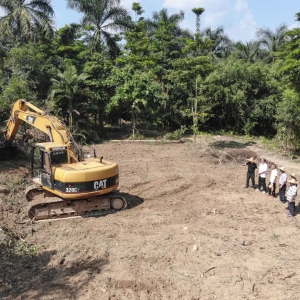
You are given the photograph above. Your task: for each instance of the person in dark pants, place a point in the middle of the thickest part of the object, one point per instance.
(282, 184)
(273, 179)
(251, 171)
(291, 197)
(262, 174)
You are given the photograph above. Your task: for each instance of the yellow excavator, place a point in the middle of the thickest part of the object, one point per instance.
(65, 182)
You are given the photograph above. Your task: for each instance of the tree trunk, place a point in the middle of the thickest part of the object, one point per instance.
(133, 125)
(195, 112)
(70, 115)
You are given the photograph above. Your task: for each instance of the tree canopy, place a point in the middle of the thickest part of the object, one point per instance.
(117, 67)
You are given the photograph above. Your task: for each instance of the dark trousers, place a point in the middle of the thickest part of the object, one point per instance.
(272, 191)
(262, 182)
(282, 193)
(250, 175)
(292, 208)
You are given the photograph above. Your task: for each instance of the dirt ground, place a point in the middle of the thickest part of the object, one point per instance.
(191, 231)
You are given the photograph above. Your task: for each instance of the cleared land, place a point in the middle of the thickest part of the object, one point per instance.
(192, 231)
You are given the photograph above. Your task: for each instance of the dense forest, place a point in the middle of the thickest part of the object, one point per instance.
(117, 67)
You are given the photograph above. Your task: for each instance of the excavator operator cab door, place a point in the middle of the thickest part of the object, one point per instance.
(41, 168)
(47, 175)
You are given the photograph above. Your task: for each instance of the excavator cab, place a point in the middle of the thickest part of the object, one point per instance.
(43, 157)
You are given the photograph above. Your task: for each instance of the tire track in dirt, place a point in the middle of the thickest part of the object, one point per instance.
(171, 185)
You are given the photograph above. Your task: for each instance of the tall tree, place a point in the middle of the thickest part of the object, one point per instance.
(67, 84)
(289, 54)
(70, 44)
(136, 7)
(137, 90)
(26, 20)
(198, 12)
(288, 119)
(26, 74)
(272, 40)
(249, 51)
(192, 71)
(98, 67)
(103, 18)
(167, 43)
(163, 21)
(222, 46)
(244, 96)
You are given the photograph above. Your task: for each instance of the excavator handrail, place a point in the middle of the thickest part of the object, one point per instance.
(52, 126)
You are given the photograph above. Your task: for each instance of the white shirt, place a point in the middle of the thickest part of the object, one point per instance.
(274, 174)
(283, 178)
(263, 168)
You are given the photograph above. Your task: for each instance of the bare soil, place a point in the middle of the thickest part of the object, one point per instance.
(191, 231)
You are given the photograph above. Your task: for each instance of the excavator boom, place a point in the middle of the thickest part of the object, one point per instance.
(23, 111)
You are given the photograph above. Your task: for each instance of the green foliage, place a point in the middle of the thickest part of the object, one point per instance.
(176, 135)
(198, 11)
(271, 144)
(288, 120)
(272, 40)
(68, 85)
(26, 21)
(221, 45)
(137, 94)
(160, 75)
(137, 136)
(290, 53)
(100, 18)
(244, 96)
(98, 69)
(25, 75)
(137, 8)
(11, 247)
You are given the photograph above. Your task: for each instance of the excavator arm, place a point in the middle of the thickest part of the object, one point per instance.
(23, 111)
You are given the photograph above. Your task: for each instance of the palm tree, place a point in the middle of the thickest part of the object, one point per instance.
(198, 12)
(26, 20)
(68, 85)
(103, 18)
(161, 19)
(250, 51)
(272, 40)
(222, 45)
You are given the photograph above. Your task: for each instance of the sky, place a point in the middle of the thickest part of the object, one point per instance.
(239, 18)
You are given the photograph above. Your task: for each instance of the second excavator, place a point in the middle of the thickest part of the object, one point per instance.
(65, 182)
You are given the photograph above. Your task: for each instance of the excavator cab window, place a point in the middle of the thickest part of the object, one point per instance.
(46, 177)
(36, 162)
(59, 157)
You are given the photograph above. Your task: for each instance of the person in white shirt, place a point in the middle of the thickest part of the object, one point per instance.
(291, 197)
(273, 179)
(282, 184)
(262, 174)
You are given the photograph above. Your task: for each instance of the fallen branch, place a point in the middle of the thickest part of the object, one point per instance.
(289, 276)
(202, 275)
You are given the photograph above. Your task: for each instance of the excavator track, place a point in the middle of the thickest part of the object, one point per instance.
(32, 191)
(47, 206)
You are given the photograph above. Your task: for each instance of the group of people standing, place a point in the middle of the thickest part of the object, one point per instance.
(288, 196)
